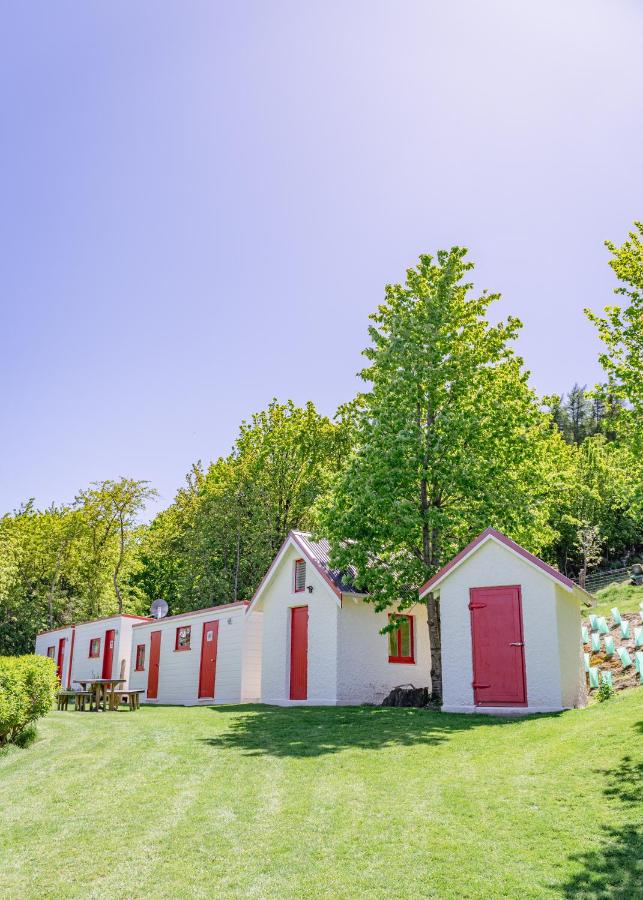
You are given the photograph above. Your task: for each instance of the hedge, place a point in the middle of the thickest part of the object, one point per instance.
(28, 688)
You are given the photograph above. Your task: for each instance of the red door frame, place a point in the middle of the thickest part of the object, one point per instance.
(61, 659)
(208, 667)
(153, 672)
(71, 657)
(299, 653)
(517, 658)
(108, 653)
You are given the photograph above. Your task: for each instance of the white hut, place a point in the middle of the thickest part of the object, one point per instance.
(510, 631)
(207, 656)
(99, 648)
(322, 643)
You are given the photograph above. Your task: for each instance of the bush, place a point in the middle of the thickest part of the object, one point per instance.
(604, 692)
(28, 688)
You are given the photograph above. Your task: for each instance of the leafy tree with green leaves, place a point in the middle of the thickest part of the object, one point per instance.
(109, 510)
(449, 440)
(620, 328)
(215, 542)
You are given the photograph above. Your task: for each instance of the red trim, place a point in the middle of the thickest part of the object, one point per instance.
(399, 658)
(299, 590)
(492, 533)
(299, 653)
(154, 665)
(194, 612)
(53, 630)
(93, 655)
(71, 657)
(140, 663)
(60, 663)
(178, 649)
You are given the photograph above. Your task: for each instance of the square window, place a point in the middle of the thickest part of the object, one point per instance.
(51, 652)
(300, 575)
(183, 634)
(94, 648)
(401, 644)
(140, 657)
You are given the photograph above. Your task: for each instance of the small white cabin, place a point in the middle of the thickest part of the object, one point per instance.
(510, 627)
(206, 656)
(102, 648)
(99, 648)
(322, 643)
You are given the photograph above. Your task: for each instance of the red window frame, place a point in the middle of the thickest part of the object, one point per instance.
(92, 642)
(187, 628)
(397, 636)
(302, 563)
(51, 652)
(140, 658)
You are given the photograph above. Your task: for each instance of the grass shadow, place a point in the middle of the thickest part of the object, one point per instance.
(306, 731)
(615, 870)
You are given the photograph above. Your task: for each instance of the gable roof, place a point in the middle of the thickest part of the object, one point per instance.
(317, 553)
(490, 534)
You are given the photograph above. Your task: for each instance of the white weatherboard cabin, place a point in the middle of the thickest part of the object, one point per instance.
(510, 631)
(206, 656)
(96, 649)
(321, 641)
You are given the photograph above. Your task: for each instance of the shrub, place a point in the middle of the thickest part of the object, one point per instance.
(604, 692)
(28, 688)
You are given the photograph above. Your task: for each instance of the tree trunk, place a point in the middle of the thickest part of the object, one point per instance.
(433, 616)
(121, 554)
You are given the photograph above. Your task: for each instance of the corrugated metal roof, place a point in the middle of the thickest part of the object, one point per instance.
(344, 580)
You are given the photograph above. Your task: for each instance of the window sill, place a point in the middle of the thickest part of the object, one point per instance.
(406, 660)
(181, 649)
(139, 670)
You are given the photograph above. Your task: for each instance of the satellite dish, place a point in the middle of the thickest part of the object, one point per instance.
(158, 609)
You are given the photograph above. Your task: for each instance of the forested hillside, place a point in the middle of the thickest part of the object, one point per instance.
(446, 438)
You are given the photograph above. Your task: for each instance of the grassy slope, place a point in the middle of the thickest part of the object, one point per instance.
(263, 802)
(626, 597)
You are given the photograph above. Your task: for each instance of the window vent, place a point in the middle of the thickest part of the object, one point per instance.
(300, 575)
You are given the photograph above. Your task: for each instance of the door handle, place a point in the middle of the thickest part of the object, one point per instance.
(476, 685)
(517, 644)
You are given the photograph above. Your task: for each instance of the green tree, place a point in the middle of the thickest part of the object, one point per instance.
(217, 539)
(449, 440)
(621, 331)
(109, 511)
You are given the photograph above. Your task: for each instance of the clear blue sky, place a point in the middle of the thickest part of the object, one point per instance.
(202, 201)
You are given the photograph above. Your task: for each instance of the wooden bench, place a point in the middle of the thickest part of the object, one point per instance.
(83, 700)
(133, 699)
(63, 698)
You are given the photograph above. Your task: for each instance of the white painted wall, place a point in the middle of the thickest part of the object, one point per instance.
(89, 667)
(51, 639)
(179, 669)
(570, 649)
(251, 659)
(276, 602)
(494, 565)
(364, 673)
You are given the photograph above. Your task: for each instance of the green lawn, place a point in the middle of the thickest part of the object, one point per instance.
(626, 597)
(361, 802)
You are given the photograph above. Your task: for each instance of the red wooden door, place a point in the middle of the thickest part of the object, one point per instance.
(153, 674)
(208, 669)
(299, 653)
(61, 659)
(498, 648)
(108, 653)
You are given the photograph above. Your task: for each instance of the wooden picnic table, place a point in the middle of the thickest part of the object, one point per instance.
(101, 687)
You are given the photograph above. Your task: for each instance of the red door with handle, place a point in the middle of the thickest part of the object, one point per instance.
(498, 646)
(153, 674)
(108, 653)
(299, 653)
(208, 670)
(61, 659)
